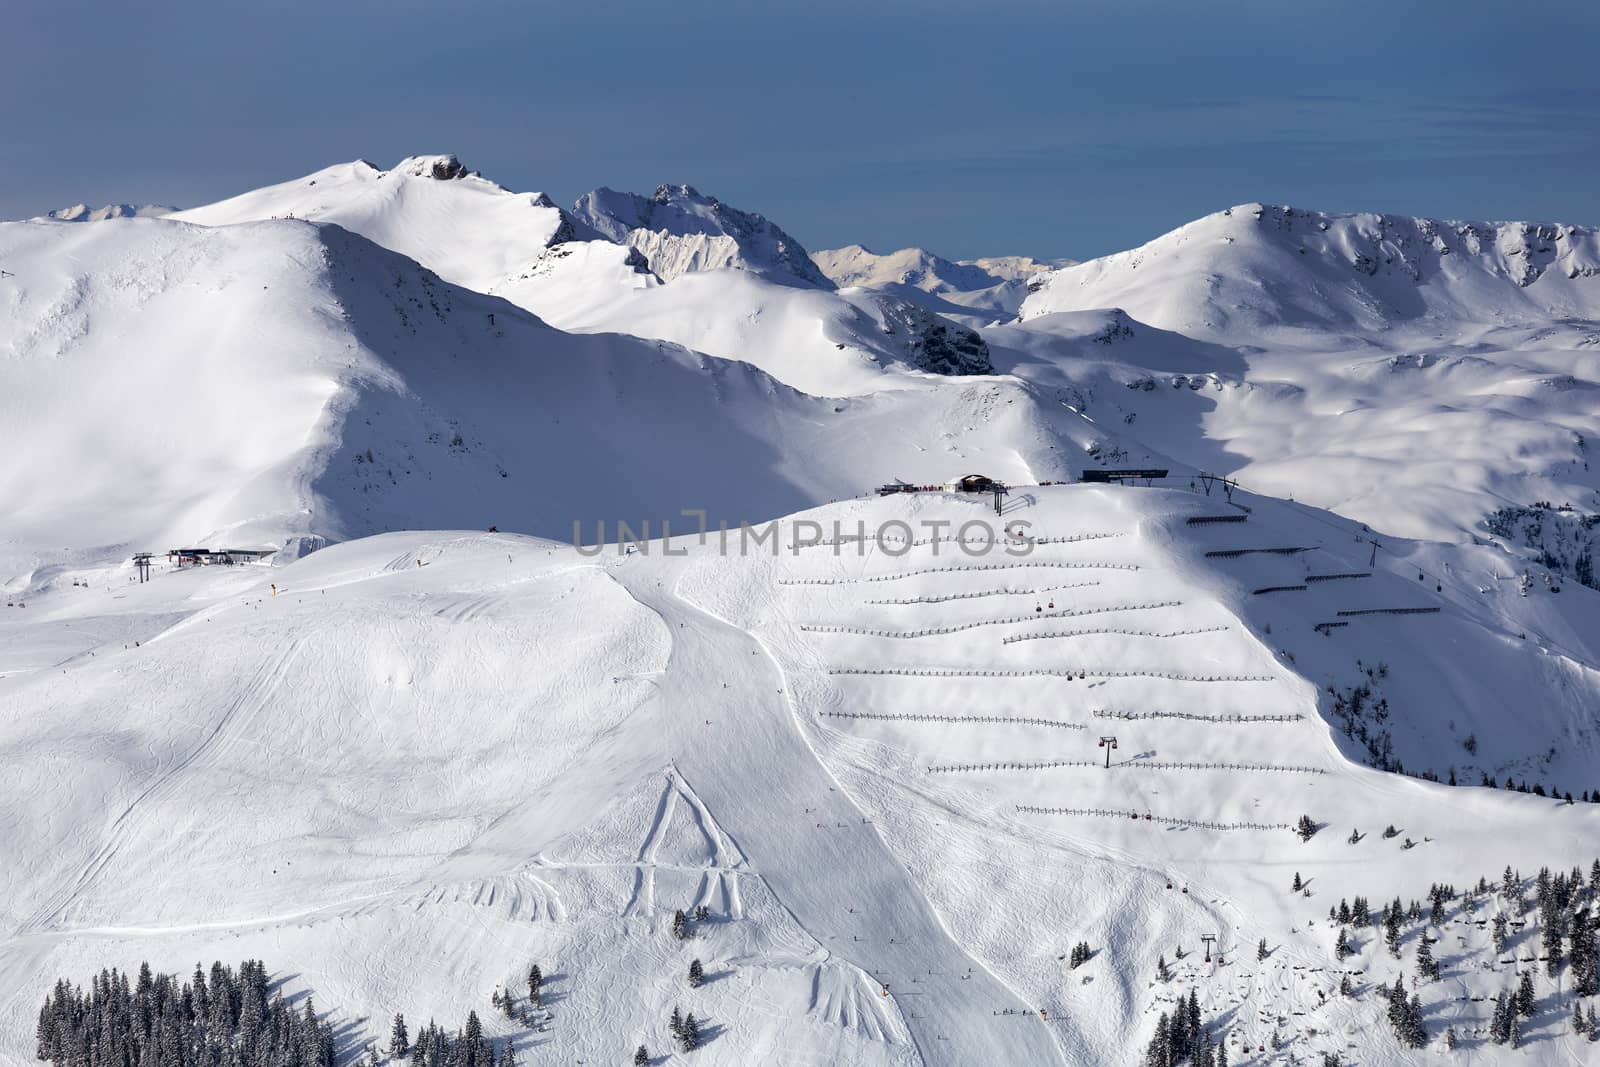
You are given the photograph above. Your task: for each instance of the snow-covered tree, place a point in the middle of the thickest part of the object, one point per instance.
(1525, 997)
(399, 1041)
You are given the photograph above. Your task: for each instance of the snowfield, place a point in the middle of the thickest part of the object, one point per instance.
(912, 757)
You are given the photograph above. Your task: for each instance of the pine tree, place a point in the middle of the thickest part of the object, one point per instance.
(1577, 1018)
(1345, 988)
(1525, 996)
(1261, 950)
(1159, 1052)
(641, 1056)
(1222, 1051)
(535, 986)
(1514, 1039)
(689, 1039)
(1594, 1025)
(1416, 1032)
(399, 1042)
(1305, 828)
(1298, 884)
(701, 913)
(1450, 1038)
(1427, 966)
(697, 975)
(1500, 1020)
(680, 925)
(1502, 935)
(676, 1025)
(1162, 972)
(1341, 948)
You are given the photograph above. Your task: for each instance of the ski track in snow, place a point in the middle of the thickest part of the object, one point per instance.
(824, 864)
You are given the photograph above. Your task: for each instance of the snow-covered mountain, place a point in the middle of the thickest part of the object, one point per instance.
(85, 213)
(973, 291)
(270, 381)
(952, 787)
(879, 774)
(1416, 374)
(462, 226)
(1255, 267)
(680, 229)
(520, 246)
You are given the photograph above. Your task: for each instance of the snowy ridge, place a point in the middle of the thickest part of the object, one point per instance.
(463, 227)
(971, 291)
(85, 213)
(680, 229)
(1255, 266)
(326, 387)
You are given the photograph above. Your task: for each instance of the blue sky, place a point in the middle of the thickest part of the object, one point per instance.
(1006, 126)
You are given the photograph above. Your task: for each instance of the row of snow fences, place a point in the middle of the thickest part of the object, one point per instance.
(1390, 611)
(1111, 630)
(1278, 589)
(1206, 520)
(1194, 716)
(1199, 824)
(1338, 577)
(972, 568)
(1133, 764)
(917, 542)
(862, 631)
(980, 593)
(1007, 720)
(1235, 553)
(1045, 672)
(1324, 628)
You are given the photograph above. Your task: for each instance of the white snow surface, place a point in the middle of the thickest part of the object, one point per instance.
(402, 767)
(463, 227)
(679, 229)
(85, 213)
(976, 292)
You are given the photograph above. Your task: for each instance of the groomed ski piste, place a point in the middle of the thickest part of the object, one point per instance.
(404, 767)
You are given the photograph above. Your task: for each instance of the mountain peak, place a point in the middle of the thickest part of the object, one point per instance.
(680, 229)
(441, 168)
(1262, 266)
(85, 213)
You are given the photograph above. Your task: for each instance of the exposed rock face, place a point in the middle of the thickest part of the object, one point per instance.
(441, 168)
(680, 230)
(933, 343)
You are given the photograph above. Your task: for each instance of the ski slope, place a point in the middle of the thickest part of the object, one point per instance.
(607, 738)
(402, 759)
